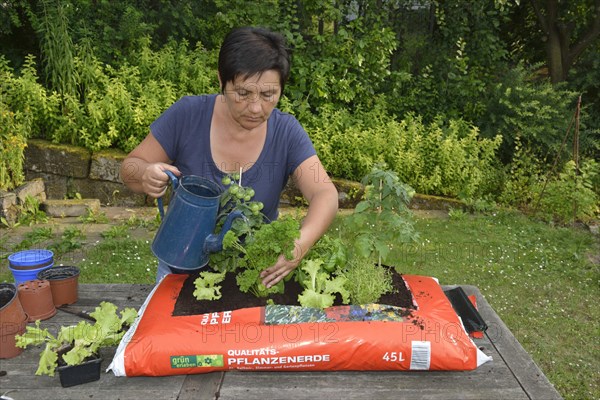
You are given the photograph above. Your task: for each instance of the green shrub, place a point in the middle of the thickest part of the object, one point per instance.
(570, 197)
(22, 109)
(350, 144)
(450, 160)
(25, 96)
(117, 104)
(13, 140)
(445, 159)
(25, 107)
(536, 111)
(523, 173)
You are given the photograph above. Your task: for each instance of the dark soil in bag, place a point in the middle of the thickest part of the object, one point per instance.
(232, 298)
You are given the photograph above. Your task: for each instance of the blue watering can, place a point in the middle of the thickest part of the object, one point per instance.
(185, 237)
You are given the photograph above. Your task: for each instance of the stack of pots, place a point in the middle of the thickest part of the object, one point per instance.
(13, 320)
(38, 290)
(41, 286)
(26, 264)
(54, 287)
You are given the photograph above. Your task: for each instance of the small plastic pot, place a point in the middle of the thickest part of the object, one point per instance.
(12, 320)
(8, 333)
(36, 298)
(26, 264)
(31, 259)
(64, 284)
(88, 371)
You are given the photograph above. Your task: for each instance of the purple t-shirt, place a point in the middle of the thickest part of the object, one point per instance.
(183, 131)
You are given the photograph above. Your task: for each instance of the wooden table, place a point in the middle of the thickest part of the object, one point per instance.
(511, 375)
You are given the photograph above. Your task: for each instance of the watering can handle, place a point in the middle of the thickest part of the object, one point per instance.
(214, 242)
(159, 201)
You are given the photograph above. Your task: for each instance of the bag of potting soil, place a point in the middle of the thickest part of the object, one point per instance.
(173, 335)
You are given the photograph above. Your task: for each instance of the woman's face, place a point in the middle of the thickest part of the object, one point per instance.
(250, 101)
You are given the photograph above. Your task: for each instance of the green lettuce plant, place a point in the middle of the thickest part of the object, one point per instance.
(320, 286)
(207, 285)
(76, 343)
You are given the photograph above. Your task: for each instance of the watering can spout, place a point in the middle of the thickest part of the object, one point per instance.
(214, 241)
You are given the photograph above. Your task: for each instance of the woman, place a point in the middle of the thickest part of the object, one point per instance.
(240, 128)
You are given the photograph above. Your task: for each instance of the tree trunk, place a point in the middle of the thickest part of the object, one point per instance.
(554, 55)
(560, 52)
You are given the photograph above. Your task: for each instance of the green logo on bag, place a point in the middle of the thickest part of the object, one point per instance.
(203, 360)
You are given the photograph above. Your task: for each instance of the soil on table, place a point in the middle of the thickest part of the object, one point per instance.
(232, 298)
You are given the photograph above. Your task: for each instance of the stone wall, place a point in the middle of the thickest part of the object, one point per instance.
(70, 171)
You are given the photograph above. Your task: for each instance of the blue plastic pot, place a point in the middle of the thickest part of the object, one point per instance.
(31, 259)
(24, 275)
(26, 264)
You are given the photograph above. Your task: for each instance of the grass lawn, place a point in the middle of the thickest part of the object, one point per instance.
(540, 280)
(543, 281)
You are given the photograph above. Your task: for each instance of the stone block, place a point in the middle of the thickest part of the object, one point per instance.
(349, 194)
(109, 193)
(59, 159)
(56, 185)
(429, 202)
(8, 206)
(34, 188)
(106, 164)
(70, 207)
(7, 199)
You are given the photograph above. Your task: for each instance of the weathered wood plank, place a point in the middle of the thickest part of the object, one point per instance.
(92, 392)
(201, 387)
(529, 375)
(20, 376)
(368, 385)
(21, 380)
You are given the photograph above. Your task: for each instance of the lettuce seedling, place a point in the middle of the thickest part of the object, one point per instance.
(320, 288)
(82, 340)
(207, 285)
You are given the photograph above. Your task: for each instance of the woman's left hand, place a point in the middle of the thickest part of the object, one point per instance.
(272, 275)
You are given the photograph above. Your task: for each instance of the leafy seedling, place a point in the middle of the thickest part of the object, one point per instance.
(207, 285)
(80, 341)
(320, 287)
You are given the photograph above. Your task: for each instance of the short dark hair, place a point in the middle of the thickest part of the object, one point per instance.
(248, 51)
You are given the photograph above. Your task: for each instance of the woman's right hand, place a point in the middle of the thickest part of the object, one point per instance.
(154, 179)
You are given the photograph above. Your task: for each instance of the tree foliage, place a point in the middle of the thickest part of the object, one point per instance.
(452, 84)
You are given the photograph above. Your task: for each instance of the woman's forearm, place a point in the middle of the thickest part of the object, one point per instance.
(131, 172)
(322, 210)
